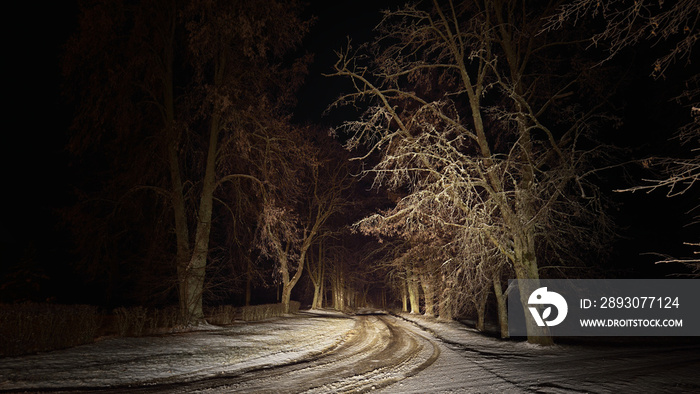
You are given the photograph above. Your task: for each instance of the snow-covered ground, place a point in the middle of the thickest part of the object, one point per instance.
(209, 351)
(331, 352)
(473, 363)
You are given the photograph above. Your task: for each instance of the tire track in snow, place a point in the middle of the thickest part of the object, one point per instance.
(376, 353)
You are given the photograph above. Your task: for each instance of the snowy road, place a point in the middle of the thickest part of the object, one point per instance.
(470, 363)
(376, 353)
(330, 352)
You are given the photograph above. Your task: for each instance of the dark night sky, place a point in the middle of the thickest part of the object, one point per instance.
(38, 179)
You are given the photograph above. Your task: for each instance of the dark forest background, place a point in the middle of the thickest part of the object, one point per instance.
(44, 248)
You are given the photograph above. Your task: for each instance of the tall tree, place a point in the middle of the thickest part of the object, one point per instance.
(483, 121)
(317, 273)
(292, 223)
(176, 96)
(332, 186)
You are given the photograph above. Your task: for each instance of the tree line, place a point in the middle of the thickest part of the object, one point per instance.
(486, 119)
(198, 174)
(479, 131)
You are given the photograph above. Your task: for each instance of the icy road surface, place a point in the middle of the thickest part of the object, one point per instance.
(330, 352)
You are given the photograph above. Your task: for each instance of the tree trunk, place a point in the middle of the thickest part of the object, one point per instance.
(446, 301)
(447, 312)
(350, 297)
(413, 292)
(318, 297)
(196, 269)
(338, 290)
(316, 302)
(502, 307)
(429, 295)
(286, 297)
(341, 291)
(316, 274)
(481, 310)
(321, 287)
(526, 268)
(447, 307)
(404, 296)
(289, 283)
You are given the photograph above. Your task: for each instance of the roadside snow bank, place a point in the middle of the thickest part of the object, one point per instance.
(456, 333)
(523, 367)
(208, 351)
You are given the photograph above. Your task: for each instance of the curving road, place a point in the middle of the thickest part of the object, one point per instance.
(379, 351)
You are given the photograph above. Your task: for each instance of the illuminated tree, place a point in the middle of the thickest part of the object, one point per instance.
(332, 184)
(481, 120)
(293, 221)
(317, 273)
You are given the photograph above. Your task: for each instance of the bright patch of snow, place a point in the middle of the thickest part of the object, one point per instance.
(206, 351)
(359, 352)
(473, 363)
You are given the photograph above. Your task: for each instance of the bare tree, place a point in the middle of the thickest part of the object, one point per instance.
(317, 273)
(472, 113)
(295, 220)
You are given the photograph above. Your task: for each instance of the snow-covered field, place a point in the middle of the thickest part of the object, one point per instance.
(331, 352)
(209, 351)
